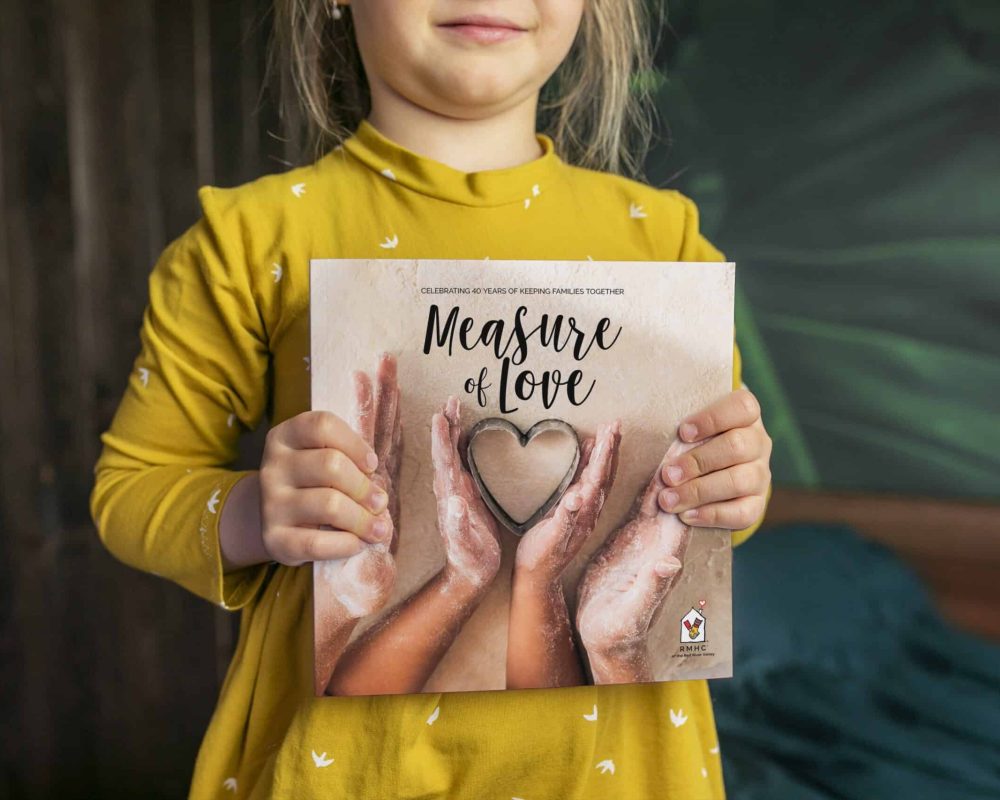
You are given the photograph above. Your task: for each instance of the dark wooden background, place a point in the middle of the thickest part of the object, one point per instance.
(112, 113)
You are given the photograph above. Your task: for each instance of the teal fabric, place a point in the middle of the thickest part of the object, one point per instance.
(847, 157)
(847, 682)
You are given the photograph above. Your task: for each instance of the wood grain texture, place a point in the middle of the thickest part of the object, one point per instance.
(112, 114)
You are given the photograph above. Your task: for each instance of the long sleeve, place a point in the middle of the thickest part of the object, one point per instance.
(199, 379)
(695, 247)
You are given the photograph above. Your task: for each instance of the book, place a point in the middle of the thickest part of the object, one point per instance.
(522, 411)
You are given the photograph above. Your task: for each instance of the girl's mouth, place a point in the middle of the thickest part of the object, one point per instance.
(479, 28)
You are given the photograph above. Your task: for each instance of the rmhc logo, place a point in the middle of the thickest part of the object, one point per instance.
(693, 627)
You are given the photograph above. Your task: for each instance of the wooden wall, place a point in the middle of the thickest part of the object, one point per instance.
(112, 113)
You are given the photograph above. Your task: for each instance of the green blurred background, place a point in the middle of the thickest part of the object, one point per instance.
(847, 157)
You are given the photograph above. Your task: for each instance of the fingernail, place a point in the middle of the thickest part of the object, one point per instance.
(674, 473)
(371, 459)
(688, 431)
(573, 502)
(691, 513)
(378, 500)
(455, 506)
(381, 529)
(670, 499)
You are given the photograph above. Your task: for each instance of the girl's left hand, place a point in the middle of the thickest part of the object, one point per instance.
(723, 482)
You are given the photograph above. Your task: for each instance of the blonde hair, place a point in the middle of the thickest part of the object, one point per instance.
(597, 107)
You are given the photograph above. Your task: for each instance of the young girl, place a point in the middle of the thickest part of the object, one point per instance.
(430, 150)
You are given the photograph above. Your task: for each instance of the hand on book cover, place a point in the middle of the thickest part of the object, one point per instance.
(360, 584)
(469, 531)
(626, 582)
(548, 548)
(364, 581)
(540, 649)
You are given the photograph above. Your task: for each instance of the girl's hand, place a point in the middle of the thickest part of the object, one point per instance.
(545, 550)
(721, 483)
(317, 471)
(471, 537)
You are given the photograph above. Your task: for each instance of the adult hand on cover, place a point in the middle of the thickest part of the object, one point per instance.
(364, 581)
(722, 482)
(471, 537)
(626, 582)
(549, 546)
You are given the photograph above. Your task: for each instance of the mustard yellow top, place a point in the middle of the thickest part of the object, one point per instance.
(225, 340)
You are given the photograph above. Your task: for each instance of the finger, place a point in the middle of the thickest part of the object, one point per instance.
(397, 426)
(442, 456)
(648, 506)
(655, 579)
(566, 518)
(294, 545)
(453, 413)
(605, 464)
(385, 405)
(613, 469)
(326, 467)
(318, 428)
(735, 446)
(735, 515)
(334, 508)
(586, 448)
(364, 407)
(725, 484)
(738, 409)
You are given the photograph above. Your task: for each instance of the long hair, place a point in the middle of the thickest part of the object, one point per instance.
(597, 107)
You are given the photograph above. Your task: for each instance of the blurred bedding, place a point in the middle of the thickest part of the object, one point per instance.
(848, 683)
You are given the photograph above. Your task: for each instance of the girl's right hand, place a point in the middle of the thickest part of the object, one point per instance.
(318, 471)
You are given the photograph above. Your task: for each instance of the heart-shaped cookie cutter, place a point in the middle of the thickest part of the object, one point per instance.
(523, 438)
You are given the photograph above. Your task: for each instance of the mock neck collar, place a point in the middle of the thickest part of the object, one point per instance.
(491, 187)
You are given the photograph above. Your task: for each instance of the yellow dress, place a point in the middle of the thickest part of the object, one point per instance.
(225, 340)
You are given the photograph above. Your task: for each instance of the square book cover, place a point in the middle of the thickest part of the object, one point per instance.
(521, 411)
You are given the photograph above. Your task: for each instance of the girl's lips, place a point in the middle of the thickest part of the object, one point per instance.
(483, 31)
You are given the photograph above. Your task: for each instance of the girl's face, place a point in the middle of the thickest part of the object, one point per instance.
(417, 49)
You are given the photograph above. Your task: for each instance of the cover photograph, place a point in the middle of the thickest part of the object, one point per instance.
(521, 411)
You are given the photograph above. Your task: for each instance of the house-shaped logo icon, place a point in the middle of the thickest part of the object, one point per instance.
(693, 627)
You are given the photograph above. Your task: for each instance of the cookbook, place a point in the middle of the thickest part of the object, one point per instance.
(522, 412)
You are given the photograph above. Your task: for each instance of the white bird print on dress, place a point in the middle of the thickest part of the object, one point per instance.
(144, 376)
(714, 750)
(592, 715)
(389, 173)
(606, 766)
(535, 190)
(277, 272)
(321, 760)
(635, 211)
(527, 202)
(299, 189)
(213, 501)
(389, 243)
(434, 715)
(677, 717)
(229, 784)
(704, 772)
